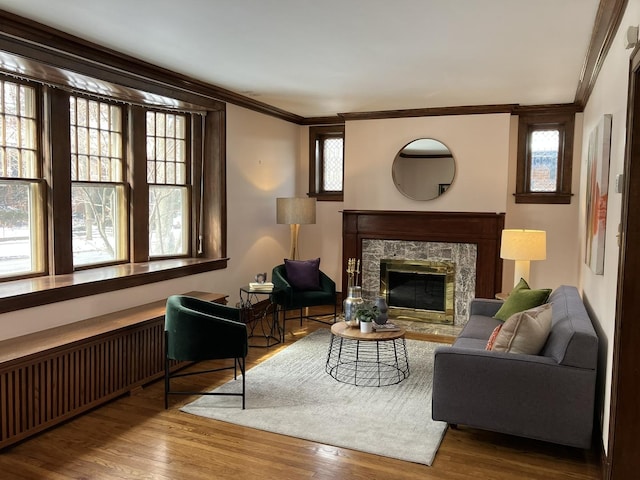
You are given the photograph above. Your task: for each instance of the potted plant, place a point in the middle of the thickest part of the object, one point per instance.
(366, 313)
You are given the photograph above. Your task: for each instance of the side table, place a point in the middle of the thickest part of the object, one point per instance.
(367, 359)
(265, 322)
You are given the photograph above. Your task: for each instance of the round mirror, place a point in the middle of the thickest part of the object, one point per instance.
(423, 169)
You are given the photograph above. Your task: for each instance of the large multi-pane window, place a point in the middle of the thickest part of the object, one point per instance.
(545, 150)
(326, 162)
(21, 203)
(74, 189)
(98, 192)
(167, 171)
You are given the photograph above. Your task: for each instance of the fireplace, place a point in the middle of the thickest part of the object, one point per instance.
(471, 241)
(418, 290)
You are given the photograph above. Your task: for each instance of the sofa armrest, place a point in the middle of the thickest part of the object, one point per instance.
(526, 395)
(484, 306)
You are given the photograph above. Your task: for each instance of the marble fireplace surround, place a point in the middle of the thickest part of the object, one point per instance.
(463, 255)
(369, 235)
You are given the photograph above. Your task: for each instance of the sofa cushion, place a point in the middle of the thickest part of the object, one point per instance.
(525, 332)
(303, 274)
(470, 343)
(479, 326)
(522, 300)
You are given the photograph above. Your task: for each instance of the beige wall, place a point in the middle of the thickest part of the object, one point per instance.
(599, 291)
(479, 144)
(261, 164)
(484, 148)
(559, 221)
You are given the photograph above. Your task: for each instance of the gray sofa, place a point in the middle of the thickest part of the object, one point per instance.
(548, 397)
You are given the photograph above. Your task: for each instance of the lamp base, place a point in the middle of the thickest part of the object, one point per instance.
(293, 252)
(522, 268)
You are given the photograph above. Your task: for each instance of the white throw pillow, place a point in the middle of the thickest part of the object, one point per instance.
(525, 332)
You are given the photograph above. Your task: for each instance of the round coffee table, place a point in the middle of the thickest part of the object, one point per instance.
(367, 359)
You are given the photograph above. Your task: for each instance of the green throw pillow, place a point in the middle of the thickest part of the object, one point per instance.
(521, 300)
(522, 285)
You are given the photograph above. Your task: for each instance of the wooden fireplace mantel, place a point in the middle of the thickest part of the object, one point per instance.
(482, 229)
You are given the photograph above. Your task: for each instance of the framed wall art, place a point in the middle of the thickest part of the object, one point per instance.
(598, 157)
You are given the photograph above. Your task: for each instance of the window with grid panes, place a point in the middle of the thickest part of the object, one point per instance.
(167, 174)
(545, 151)
(98, 190)
(21, 187)
(326, 162)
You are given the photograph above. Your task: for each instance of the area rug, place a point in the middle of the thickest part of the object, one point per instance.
(291, 394)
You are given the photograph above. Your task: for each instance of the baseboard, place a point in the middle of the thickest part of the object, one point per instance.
(598, 448)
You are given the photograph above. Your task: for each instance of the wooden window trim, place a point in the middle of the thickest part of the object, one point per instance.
(528, 123)
(315, 167)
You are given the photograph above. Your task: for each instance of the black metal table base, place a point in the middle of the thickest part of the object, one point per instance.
(264, 328)
(367, 363)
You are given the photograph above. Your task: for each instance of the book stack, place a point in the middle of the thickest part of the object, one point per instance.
(386, 327)
(261, 287)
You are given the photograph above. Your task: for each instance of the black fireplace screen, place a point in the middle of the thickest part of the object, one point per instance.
(417, 291)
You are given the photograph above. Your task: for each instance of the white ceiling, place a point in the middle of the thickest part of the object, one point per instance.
(317, 58)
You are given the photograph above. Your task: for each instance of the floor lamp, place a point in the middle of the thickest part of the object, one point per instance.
(295, 211)
(523, 246)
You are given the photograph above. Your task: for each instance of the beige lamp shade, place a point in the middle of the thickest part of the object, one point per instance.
(523, 246)
(296, 210)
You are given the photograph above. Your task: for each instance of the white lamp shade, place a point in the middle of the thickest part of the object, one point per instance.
(296, 210)
(524, 245)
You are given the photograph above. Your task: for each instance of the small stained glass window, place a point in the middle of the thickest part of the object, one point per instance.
(332, 165)
(545, 154)
(544, 160)
(326, 162)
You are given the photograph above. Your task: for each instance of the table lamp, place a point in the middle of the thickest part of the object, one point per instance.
(295, 211)
(523, 246)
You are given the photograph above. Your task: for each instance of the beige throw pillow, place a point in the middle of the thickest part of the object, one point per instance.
(525, 332)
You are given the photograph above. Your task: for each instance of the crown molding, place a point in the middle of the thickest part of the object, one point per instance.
(550, 109)
(608, 18)
(40, 43)
(430, 112)
(317, 121)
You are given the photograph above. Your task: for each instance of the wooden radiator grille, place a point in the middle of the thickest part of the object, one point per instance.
(52, 386)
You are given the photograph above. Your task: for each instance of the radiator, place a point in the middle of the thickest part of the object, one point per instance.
(49, 387)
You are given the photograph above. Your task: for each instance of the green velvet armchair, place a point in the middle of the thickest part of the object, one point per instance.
(288, 298)
(197, 330)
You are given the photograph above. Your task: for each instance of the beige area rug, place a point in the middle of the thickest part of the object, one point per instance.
(291, 394)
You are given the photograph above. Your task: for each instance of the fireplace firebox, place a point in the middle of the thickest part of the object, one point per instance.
(419, 290)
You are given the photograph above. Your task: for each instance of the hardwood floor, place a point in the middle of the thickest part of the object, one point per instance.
(135, 438)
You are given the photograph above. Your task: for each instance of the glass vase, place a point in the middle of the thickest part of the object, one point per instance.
(350, 305)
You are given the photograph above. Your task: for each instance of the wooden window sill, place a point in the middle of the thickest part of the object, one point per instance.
(546, 198)
(33, 292)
